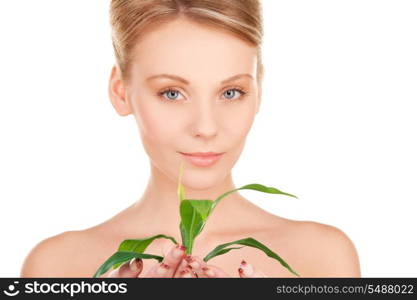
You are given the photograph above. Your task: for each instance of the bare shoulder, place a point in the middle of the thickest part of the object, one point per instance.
(327, 251)
(56, 256)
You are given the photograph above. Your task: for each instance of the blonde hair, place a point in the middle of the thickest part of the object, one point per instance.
(130, 18)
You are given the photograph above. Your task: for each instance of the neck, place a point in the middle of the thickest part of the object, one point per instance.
(158, 209)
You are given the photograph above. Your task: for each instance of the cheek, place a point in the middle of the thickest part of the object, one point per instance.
(158, 126)
(238, 124)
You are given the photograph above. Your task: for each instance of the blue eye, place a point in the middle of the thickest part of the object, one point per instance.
(171, 94)
(230, 93)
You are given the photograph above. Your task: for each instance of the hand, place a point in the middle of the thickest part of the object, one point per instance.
(166, 268)
(194, 266)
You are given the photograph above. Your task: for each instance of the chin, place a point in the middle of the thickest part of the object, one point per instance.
(200, 180)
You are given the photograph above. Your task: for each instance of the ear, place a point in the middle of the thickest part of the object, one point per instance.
(117, 93)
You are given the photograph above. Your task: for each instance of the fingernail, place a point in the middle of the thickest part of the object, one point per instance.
(248, 269)
(208, 272)
(188, 258)
(186, 273)
(165, 266)
(135, 264)
(162, 269)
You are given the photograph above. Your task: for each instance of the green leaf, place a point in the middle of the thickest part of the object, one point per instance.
(203, 207)
(225, 250)
(251, 243)
(180, 189)
(120, 257)
(253, 186)
(194, 214)
(139, 245)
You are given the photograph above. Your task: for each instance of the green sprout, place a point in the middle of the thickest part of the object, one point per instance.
(194, 214)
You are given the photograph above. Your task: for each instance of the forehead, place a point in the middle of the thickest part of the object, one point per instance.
(185, 47)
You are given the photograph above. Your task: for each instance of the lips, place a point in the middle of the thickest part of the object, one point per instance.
(202, 159)
(202, 154)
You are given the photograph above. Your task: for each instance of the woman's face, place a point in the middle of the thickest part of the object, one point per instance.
(200, 110)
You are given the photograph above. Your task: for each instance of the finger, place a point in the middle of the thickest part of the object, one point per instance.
(187, 273)
(169, 264)
(128, 269)
(214, 272)
(159, 270)
(174, 258)
(248, 271)
(182, 266)
(197, 264)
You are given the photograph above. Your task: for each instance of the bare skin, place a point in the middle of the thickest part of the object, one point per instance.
(198, 116)
(310, 248)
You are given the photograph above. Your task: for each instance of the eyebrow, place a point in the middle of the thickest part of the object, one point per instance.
(178, 78)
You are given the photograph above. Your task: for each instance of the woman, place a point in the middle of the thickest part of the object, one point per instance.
(190, 72)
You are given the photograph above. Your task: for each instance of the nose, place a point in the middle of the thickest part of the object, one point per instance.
(205, 120)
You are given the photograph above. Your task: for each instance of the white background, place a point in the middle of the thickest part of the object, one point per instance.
(337, 125)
